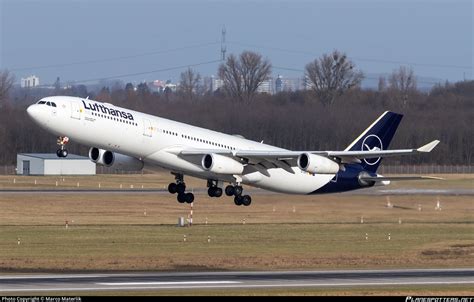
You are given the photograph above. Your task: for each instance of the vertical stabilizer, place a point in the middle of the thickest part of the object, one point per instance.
(376, 137)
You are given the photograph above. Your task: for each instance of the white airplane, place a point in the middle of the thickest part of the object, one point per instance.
(127, 139)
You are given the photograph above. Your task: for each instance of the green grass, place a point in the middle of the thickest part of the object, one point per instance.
(241, 247)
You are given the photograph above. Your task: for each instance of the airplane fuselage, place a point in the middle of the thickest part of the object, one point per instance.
(158, 141)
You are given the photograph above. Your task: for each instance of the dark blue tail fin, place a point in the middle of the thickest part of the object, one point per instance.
(377, 137)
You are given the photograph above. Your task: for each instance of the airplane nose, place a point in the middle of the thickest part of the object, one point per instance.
(32, 111)
(36, 114)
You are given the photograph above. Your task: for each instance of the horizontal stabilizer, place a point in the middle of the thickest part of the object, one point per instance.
(428, 147)
(395, 178)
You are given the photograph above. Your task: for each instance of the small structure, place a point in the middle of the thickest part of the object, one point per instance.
(29, 82)
(51, 164)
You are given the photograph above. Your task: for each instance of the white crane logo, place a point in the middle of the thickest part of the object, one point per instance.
(376, 143)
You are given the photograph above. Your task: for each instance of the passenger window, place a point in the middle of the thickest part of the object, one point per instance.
(48, 103)
(53, 104)
(41, 102)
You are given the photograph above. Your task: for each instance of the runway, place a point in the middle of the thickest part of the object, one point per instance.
(366, 192)
(24, 284)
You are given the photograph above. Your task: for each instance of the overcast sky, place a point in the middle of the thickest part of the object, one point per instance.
(87, 40)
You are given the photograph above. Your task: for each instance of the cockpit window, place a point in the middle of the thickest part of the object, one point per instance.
(47, 103)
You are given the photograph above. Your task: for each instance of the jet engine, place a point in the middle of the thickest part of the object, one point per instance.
(317, 164)
(115, 160)
(221, 164)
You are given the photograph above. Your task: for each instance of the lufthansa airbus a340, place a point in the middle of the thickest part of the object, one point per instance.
(127, 139)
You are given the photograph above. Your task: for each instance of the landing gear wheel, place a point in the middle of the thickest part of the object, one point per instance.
(172, 188)
(214, 191)
(62, 153)
(238, 200)
(189, 197)
(229, 190)
(238, 190)
(180, 188)
(217, 192)
(246, 200)
(211, 191)
(181, 197)
(62, 141)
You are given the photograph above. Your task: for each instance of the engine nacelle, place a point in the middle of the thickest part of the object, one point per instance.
(221, 164)
(317, 164)
(115, 160)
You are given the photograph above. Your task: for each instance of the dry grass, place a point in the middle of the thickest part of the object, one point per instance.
(111, 231)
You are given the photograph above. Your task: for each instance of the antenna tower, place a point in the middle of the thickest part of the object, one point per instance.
(223, 46)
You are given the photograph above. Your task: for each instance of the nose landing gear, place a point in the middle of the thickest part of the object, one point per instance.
(62, 151)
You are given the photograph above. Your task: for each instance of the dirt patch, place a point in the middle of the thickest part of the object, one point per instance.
(452, 251)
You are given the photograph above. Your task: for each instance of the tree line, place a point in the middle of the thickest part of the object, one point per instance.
(328, 115)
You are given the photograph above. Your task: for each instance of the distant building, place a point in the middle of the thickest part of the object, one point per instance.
(216, 83)
(307, 84)
(162, 86)
(266, 86)
(279, 84)
(51, 164)
(169, 86)
(28, 82)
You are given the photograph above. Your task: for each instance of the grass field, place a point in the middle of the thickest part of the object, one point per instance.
(138, 232)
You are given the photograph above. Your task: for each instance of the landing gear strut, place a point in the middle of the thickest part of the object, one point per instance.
(62, 141)
(180, 187)
(214, 190)
(237, 191)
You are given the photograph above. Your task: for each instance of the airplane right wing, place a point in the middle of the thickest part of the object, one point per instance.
(286, 155)
(286, 159)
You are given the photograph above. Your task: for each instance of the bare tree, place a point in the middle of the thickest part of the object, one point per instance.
(189, 83)
(332, 75)
(244, 75)
(403, 81)
(231, 76)
(6, 83)
(382, 85)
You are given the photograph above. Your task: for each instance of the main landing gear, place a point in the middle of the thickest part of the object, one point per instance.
(230, 190)
(239, 199)
(180, 187)
(62, 141)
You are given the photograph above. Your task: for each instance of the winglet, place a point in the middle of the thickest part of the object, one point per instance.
(428, 147)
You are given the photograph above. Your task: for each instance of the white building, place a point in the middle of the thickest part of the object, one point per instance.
(266, 86)
(31, 81)
(216, 83)
(51, 164)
